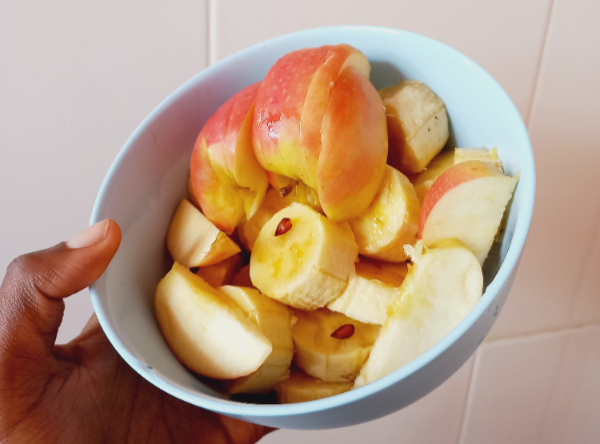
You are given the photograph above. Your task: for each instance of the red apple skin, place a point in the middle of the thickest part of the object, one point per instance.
(270, 100)
(451, 178)
(354, 147)
(222, 207)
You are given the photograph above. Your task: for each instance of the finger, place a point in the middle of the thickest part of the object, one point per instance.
(31, 306)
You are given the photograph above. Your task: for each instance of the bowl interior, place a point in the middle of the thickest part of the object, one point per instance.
(148, 179)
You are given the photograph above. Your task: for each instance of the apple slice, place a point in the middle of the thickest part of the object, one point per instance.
(220, 273)
(391, 221)
(371, 290)
(193, 241)
(207, 331)
(417, 125)
(422, 181)
(242, 278)
(354, 147)
(227, 179)
(483, 154)
(303, 388)
(331, 346)
(274, 320)
(442, 286)
(467, 203)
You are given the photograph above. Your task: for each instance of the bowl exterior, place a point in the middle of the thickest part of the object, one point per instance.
(148, 178)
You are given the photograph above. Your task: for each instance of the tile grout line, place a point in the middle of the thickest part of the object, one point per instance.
(469, 399)
(534, 94)
(543, 334)
(212, 34)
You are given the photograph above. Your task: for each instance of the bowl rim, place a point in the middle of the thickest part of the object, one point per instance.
(232, 407)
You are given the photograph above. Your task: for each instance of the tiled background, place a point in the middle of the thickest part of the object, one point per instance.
(77, 77)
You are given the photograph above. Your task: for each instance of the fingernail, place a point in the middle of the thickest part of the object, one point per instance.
(90, 236)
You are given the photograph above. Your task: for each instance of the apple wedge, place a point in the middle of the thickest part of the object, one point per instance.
(303, 388)
(303, 259)
(417, 125)
(467, 203)
(193, 241)
(331, 346)
(274, 320)
(391, 221)
(422, 181)
(205, 329)
(371, 290)
(242, 278)
(483, 154)
(442, 286)
(226, 177)
(221, 273)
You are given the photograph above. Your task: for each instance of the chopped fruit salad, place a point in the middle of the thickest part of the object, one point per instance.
(329, 236)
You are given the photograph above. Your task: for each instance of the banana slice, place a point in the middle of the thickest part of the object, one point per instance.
(303, 388)
(483, 154)
(372, 288)
(205, 329)
(194, 241)
(222, 273)
(442, 286)
(391, 221)
(274, 320)
(303, 259)
(336, 358)
(272, 203)
(417, 125)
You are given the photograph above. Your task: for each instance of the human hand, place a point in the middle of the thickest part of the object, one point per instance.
(83, 392)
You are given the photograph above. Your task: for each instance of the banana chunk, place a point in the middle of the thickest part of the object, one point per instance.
(417, 125)
(275, 321)
(303, 388)
(442, 286)
(303, 259)
(336, 358)
(390, 221)
(372, 288)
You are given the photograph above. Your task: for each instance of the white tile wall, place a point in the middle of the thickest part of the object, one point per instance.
(77, 77)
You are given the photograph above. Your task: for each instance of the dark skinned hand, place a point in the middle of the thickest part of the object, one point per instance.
(83, 392)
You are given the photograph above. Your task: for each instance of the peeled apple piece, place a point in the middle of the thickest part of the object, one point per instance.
(194, 241)
(441, 288)
(205, 329)
(274, 320)
(331, 359)
(371, 290)
(467, 203)
(417, 125)
(307, 264)
(390, 221)
(303, 388)
(483, 154)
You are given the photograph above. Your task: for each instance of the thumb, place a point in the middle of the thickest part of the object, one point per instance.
(31, 305)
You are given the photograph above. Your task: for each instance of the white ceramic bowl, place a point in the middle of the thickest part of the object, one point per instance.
(148, 178)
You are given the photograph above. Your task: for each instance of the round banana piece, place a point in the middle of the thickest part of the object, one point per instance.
(274, 320)
(303, 388)
(390, 221)
(303, 259)
(331, 346)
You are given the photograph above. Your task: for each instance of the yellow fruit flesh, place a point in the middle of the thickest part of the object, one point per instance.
(309, 265)
(423, 180)
(325, 357)
(303, 388)
(274, 320)
(391, 220)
